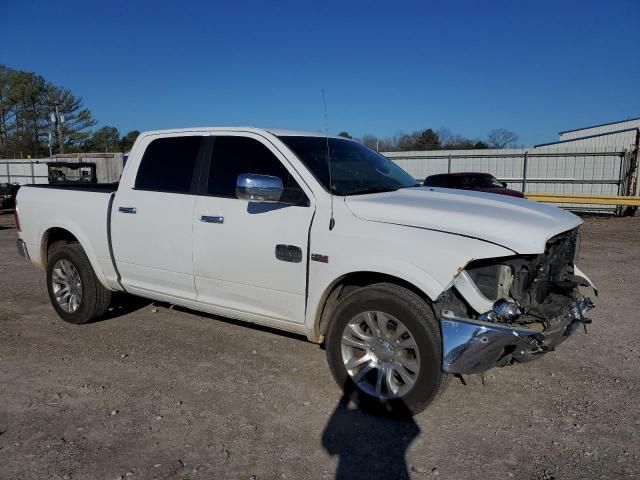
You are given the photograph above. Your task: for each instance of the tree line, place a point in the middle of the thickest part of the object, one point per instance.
(36, 114)
(441, 139)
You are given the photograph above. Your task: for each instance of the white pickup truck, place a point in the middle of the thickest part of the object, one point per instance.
(405, 285)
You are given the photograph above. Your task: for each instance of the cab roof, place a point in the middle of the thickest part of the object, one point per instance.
(278, 132)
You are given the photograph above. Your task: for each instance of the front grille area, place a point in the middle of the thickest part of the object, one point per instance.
(544, 284)
(533, 276)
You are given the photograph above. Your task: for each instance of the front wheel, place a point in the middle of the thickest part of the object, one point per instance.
(75, 293)
(384, 349)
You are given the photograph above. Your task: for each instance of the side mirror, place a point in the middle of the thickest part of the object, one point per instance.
(504, 184)
(259, 188)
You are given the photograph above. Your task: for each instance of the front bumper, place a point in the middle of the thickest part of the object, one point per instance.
(22, 249)
(473, 346)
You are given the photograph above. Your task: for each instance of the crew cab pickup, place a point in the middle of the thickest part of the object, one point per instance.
(404, 284)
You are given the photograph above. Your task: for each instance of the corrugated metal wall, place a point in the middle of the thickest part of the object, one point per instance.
(505, 164)
(597, 170)
(553, 170)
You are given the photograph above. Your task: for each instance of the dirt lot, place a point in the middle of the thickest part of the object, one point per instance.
(155, 392)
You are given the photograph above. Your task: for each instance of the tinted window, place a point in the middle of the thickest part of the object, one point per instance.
(440, 181)
(463, 181)
(168, 164)
(355, 168)
(233, 156)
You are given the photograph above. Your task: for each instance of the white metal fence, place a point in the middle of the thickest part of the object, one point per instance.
(563, 170)
(108, 167)
(23, 171)
(593, 171)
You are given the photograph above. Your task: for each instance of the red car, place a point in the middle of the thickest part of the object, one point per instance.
(479, 182)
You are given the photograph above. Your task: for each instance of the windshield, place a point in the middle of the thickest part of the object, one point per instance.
(355, 168)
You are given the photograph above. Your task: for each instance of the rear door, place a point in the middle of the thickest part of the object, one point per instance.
(251, 261)
(152, 219)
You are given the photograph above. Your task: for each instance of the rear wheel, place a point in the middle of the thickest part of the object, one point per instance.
(74, 291)
(384, 349)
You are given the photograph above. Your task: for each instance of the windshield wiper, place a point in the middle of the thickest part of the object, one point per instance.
(376, 189)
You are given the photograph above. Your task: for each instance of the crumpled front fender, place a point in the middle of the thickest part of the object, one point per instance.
(580, 273)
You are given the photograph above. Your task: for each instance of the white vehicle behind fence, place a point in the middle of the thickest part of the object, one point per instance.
(404, 284)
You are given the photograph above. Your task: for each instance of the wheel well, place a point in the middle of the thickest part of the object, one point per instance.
(52, 239)
(348, 284)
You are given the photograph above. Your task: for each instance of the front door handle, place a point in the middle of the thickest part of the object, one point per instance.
(211, 219)
(127, 209)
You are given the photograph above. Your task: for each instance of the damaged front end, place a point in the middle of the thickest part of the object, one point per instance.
(513, 309)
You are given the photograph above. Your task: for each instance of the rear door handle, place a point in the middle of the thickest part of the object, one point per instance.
(127, 209)
(211, 219)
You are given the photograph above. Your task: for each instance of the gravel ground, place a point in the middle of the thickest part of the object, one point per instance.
(156, 392)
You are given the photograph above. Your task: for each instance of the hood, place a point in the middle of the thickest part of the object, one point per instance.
(514, 223)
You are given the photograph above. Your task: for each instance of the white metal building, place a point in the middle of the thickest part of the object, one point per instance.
(624, 135)
(599, 129)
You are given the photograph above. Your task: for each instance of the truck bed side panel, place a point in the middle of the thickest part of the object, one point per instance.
(83, 213)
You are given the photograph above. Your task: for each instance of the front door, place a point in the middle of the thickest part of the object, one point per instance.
(250, 259)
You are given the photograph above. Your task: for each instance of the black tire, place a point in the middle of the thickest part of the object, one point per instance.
(95, 297)
(418, 317)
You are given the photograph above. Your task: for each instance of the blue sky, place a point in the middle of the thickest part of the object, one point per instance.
(534, 67)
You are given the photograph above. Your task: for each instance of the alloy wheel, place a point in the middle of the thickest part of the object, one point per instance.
(380, 355)
(67, 285)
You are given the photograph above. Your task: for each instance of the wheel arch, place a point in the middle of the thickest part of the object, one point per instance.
(52, 237)
(350, 282)
(60, 235)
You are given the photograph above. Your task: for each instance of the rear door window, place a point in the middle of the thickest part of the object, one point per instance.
(169, 164)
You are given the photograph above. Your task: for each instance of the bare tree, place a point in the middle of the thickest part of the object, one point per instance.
(455, 141)
(501, 138)
(371, 141)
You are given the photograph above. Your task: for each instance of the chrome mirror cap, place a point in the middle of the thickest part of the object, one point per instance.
(259, 188)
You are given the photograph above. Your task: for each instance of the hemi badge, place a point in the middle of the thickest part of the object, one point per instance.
(316, 257)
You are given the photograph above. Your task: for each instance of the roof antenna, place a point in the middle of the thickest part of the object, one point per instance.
(332, 222)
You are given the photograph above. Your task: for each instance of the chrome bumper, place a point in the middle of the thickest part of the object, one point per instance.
(472, 346)
(22, 249)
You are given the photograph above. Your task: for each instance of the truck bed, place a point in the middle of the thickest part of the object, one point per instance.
(81, 209)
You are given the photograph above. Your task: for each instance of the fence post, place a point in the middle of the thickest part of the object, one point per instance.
(524, 171)
(8, 173)
(634, 181)
(449, 164)
(33, 177)
(622, 174)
